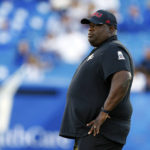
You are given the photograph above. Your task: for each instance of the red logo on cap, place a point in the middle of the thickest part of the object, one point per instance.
(97, 14)
(107, 21)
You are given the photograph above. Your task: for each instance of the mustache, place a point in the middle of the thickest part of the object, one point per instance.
(90, 34)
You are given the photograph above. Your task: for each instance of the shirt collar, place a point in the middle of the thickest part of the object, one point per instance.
(112, 38)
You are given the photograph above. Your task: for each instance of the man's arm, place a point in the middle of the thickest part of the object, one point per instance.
(119, 86)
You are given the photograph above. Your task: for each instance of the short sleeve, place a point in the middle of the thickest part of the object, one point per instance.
(115, 60)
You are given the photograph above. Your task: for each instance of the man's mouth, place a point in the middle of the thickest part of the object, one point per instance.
(90, 35)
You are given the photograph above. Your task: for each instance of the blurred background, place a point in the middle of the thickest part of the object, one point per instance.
(41, 44)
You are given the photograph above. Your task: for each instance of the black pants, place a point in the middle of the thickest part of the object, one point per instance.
(97, 142)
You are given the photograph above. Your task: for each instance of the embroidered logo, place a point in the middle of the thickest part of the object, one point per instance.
(97, 14)
(90, 57)
(120, 56)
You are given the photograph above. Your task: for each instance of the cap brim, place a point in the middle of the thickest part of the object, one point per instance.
(85, 21)
(90, 20)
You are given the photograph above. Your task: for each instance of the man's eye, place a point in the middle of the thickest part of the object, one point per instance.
(99, 25)
(91, 26)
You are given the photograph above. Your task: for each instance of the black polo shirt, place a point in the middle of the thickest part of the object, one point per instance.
(89, 89)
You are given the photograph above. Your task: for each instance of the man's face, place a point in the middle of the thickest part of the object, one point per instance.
(98, 33)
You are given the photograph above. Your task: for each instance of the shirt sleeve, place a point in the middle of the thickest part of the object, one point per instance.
(115, 60)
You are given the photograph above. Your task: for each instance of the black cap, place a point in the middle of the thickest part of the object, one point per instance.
(101, 17)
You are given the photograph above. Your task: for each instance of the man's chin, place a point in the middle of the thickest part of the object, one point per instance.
(92, 43)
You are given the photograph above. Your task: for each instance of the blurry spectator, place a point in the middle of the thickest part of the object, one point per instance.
(48, 49)
(147, 15)
(91, 8)
(139, 81)
(133, 21)
(148, 81)
(145, 67)
(5, 31)
(33, 67)
(53, 23)
(66, 23)
(145, 63)
(49, 43)
(72, 46)
(24, 55)
(59, 24)
(60, 4)
(4, 24)
(77, 10)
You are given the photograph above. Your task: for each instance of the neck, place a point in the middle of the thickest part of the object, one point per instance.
(112, 37)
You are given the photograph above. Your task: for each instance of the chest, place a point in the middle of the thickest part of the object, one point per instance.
(90, 66)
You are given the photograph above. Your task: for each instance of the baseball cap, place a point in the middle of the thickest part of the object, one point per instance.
(101, 17)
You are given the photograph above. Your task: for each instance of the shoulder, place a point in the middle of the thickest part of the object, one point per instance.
(115, 48)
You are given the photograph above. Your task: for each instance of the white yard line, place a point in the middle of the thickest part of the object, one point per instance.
(7, 91)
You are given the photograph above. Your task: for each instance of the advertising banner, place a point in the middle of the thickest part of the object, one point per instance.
(35, 122)
(36, 117)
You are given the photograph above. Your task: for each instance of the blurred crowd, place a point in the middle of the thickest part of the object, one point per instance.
(65, 39)
(54, 35)
(142, 73)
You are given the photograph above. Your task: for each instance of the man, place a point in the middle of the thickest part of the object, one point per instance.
(98, 109)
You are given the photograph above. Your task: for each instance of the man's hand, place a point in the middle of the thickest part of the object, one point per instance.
(119, 86)
(96, 124)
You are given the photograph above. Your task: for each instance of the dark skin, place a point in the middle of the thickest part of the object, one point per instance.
(120, 81)
(99, 33)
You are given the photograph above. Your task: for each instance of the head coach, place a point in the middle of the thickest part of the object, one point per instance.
(98, 109)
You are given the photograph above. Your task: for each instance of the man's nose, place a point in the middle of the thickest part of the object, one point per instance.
(91, 28)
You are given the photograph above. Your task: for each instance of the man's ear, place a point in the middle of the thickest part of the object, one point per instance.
(112, 29)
